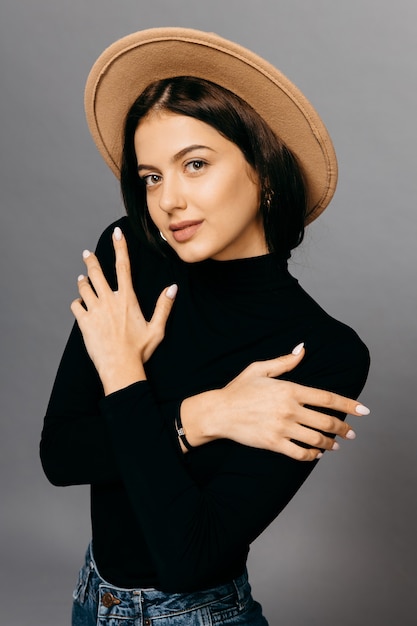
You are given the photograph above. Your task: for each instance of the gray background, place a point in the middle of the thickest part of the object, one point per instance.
(344, 550)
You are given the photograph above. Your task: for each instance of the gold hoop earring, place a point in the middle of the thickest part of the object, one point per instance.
(268, 196)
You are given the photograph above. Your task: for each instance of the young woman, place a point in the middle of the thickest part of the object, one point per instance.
(200, 383)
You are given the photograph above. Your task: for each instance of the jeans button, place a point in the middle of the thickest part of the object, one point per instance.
(148, 622)
(108, 600)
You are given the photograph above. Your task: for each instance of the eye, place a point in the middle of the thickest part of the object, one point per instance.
(196, 165)
(151, 180)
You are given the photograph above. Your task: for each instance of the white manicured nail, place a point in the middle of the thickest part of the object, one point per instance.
(350, 434)
(117, 233)
(320, 454)
(171, 292)
(362, 410)
(298, 348)
(86, 253)
(81, 276)
(335, 446)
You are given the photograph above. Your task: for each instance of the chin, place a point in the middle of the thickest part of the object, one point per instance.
(193, 258)
(189, 255)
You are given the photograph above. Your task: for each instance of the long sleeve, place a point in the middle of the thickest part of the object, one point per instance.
(75, 445)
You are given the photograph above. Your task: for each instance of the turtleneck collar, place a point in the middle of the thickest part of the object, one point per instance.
(249, 275)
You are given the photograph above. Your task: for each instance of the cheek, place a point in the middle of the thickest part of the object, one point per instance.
(244, 185)
(247, 198)
(224, 189)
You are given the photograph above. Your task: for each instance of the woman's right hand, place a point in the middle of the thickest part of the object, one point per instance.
(258, 410)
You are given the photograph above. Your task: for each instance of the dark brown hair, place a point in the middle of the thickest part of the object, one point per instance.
(283, 202)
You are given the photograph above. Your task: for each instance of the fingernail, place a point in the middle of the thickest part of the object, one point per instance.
(350, 434)
(320, 454)
(298, 348)
(117, 233)
(171, 292)
(335, 446)
(80, 277)
(86, 253)
(362, 410)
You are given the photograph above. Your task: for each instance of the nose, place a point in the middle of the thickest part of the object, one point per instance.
(172, 195)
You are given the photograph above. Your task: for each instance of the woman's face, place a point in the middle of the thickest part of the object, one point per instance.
(201, 193)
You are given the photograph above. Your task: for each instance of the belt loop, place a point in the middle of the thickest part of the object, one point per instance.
(93, 565)
(240, 585)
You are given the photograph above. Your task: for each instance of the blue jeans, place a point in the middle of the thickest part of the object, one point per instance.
(98, 603)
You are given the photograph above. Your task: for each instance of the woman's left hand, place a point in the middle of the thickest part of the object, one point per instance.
(118, 338)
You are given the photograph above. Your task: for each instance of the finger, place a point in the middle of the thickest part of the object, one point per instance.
(123, 271)
(312, 438)
(323, 422)
(95, 274)
(162, 310)
(77, 308)
(329, 400)
(86, 292)
(291, 449)
(280, 365)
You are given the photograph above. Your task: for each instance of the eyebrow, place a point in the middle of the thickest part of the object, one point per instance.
(179, 155)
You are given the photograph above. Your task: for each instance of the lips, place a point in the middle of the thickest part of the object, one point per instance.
(183, 231)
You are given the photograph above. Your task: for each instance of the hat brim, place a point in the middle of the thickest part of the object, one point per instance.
(126, 67)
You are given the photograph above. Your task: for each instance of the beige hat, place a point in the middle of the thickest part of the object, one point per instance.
(126, 67)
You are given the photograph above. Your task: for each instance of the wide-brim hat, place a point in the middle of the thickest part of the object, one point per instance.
(125, 68)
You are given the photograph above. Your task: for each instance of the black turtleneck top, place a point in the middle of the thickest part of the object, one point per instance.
(161, 518)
